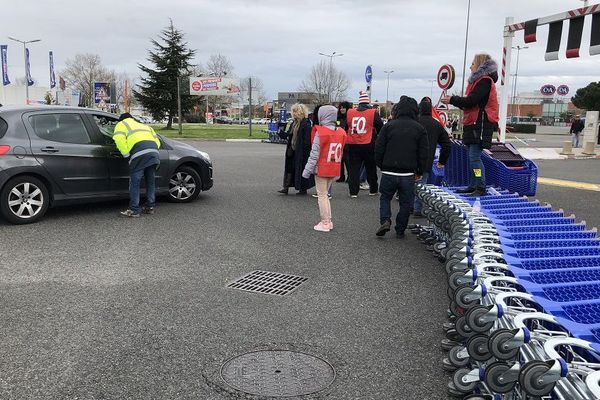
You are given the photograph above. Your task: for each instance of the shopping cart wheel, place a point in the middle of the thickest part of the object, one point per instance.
(460, 296)
(455, 309)
(457, 380)
(497, 345)
(495, 380)
(454, 280)
(455, 359)
(531, 380)
(462, 328)
(478, 349)
(474, 319)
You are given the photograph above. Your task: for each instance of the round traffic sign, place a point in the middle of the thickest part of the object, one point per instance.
(197, 86)
(444, 118)
(445, 77)
(369, 74)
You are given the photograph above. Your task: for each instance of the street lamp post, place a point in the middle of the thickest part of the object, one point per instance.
(387, 91)
(462, 88)
(331, 57)
(518, 48)
(25, 42)
(432, 81)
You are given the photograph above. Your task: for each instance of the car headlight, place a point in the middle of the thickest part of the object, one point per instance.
(204, 155)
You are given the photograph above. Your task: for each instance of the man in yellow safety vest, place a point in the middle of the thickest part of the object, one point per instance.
(140, 144)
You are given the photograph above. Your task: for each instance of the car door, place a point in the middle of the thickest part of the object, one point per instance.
(62, 143)
(118, 166)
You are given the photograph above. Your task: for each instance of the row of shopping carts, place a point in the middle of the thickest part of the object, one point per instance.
(524, 293)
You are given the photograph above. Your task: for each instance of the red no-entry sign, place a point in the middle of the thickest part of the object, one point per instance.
(445, 77)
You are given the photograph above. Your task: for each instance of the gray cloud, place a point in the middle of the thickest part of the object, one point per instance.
(279, 41)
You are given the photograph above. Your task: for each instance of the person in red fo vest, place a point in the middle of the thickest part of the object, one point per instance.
(363, 125)
(325, 161)
(480, 107)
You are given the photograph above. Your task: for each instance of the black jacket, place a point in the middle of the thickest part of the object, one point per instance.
(436, 134)
(377, 124)
(483, 130)
(402, 144)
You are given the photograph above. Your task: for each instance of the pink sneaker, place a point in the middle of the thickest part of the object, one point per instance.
(321, 227)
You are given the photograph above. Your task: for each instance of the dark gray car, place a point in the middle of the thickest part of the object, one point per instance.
(51, 156)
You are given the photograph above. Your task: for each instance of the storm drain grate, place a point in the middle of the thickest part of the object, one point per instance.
(266, 282)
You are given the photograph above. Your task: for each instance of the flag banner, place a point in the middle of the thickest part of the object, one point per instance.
(574, 39)
(554, 37)
(61, 83)
(4, 51)
(52, 76)
(28, 68)
(595, 39)
(530, 31)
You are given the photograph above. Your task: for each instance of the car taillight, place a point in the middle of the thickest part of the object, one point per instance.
(4, 149)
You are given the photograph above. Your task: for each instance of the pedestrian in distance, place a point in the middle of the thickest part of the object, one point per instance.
(480, 120)
(140, 144)
(342, 121)
(364, 123)
(297, 151)
(325, 161)
(401, 152)
(577, 126)
(436, 135)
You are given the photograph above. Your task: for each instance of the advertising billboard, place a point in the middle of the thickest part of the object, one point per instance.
(206, 86)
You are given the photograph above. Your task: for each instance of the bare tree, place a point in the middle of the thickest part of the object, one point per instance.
(326, 80)
(82, 71)
(219, 65)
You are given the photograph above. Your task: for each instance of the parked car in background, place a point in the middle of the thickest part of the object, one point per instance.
(52, 156)
(223, 120)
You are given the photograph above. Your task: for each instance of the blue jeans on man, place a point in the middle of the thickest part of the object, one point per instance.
(476, 166)
(135, 179)
(405, 187)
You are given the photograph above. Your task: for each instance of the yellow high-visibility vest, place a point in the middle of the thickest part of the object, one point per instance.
(129, 132)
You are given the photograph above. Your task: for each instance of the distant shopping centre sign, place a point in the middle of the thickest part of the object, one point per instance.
(203, 86)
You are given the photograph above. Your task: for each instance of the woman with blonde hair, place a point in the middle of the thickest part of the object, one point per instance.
(297, 152)
(480, 121)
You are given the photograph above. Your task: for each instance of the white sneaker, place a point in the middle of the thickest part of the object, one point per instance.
(317, 196)
(373, 194)
(365, 186)
(321, 227)
(353, 196)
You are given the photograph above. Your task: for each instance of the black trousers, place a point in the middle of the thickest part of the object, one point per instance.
(345, 163)
(362, 154)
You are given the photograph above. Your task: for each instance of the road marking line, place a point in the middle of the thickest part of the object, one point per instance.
(569, 184)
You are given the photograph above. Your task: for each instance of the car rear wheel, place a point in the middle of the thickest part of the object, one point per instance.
(24, 200)
(184, 185)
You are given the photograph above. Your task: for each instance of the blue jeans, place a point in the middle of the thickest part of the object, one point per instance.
(405, 187)
(135, 179)
(418, 207)
(476, 166)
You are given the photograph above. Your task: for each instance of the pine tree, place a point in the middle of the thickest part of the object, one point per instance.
(158, 89)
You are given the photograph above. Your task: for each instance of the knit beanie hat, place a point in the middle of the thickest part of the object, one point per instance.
(363, 97)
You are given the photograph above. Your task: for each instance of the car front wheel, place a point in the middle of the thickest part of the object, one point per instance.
(184, 185)
(24, 200)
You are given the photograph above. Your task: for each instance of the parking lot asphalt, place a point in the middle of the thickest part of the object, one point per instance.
(94, 306)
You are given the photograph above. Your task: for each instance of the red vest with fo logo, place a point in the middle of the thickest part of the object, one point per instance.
(491, 108)
(360, 126)
(331, 144)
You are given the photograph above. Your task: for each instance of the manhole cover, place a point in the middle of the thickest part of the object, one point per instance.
(268, 283)
(278, 373)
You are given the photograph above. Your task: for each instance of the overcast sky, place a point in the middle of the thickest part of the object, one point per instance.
(279, 41)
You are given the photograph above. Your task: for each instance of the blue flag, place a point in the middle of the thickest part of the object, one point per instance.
(52, 76)
(28, 69)
(4, 51)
